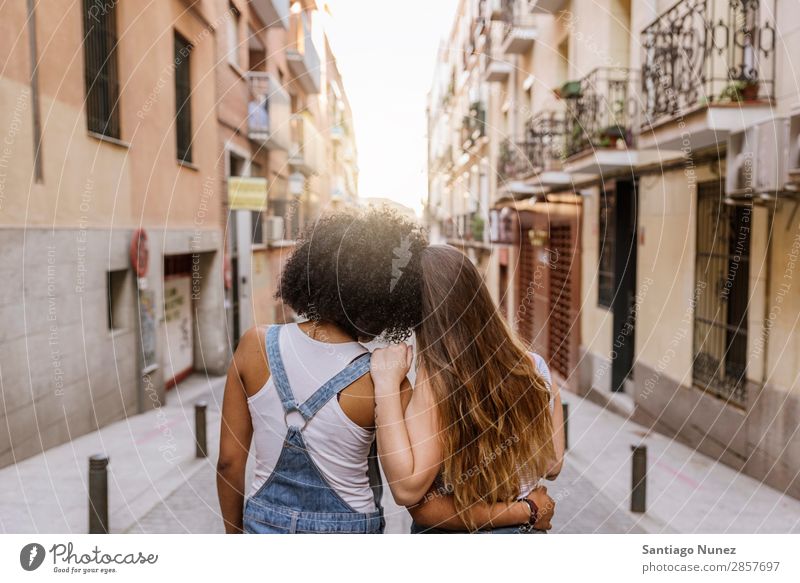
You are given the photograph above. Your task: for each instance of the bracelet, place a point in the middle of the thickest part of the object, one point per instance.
(534, 510)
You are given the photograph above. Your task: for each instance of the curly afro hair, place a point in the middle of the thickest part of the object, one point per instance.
(360, 271)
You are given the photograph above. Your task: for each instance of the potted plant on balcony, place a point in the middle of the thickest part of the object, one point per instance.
(740, 90)
(575, 139)
(612, 136)
(504, 161)
(569, 90)
(477, 227)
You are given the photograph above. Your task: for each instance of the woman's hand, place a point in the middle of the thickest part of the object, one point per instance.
(546, 506)
(389, 367)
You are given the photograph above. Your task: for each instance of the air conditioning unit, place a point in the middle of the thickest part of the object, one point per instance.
(273, 229)
(758, 159)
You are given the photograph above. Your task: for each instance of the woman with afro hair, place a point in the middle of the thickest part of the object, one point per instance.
(303, 393)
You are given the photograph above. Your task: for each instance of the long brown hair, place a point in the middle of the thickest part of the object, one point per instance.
(492, 403)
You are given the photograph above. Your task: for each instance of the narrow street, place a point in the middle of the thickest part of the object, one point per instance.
(151, 492)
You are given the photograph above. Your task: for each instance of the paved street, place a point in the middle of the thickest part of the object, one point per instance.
(151, 492)
(581, 509)
(688, 492)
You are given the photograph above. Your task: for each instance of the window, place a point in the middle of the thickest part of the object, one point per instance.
(607, 243)
(183, 94)
(257, 52)
(256, 222)
(722, 269)
(100, 67)
(117, 297)
(236, 164)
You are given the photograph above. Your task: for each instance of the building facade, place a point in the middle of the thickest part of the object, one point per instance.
(287, 139)
(111, 219)
(158, 162)
(644, 162)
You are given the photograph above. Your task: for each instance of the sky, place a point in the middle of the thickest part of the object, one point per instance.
(386, 52)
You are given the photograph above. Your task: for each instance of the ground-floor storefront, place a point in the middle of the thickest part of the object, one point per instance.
(538, 258)
(680, 281)
(87, 339)
(661, 296)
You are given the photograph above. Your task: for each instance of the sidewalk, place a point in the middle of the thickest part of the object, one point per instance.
(687, 492)
(150, 456)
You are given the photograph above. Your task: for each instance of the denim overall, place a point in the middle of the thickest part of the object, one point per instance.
(296, 498)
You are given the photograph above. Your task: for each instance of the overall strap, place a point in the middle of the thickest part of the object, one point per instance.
(347, 376)
(277, 370)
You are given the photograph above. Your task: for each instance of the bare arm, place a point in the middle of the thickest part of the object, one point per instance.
(236, 431)
(408, 440)
(440, 512)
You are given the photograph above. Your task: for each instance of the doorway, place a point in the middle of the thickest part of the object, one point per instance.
(623, 301)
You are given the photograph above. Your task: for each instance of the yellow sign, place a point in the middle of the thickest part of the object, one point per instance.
(247, 193)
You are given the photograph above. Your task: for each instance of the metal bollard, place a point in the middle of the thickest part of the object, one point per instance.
(565, 412)
(201, 447)
(639, 478)
(98, 494)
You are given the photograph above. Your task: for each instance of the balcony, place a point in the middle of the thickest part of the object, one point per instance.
(498, 69)
(519, 27)
(534, 164)
(547, 149)
(547, 6)
(602, 112)
(708, 70)
(338, 132)
(268, 112)
(476, 40)
(305, 153)
(473, 126)
(514, 163)
(301, 56)
(272, 12)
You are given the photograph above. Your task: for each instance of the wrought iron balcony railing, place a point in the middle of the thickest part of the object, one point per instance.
(547, 146)
(519, 26)
(602, 110)
(497, 67)
(514, 161)
(542, 149)
(702, 52)
(473, 126)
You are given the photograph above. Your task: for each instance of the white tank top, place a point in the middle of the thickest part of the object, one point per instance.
(338, 446)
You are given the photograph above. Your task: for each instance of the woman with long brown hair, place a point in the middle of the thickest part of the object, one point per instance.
(484, 424)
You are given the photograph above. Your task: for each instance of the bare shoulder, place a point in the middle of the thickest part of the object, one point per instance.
(358, 401)
(251, 361)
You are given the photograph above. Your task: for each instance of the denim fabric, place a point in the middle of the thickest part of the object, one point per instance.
(296, 498)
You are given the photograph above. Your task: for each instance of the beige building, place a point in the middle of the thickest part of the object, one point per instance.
(255, 135)
(341, 168)
(643, 194)
(109, 139)
(287, 137)
(151, 186)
